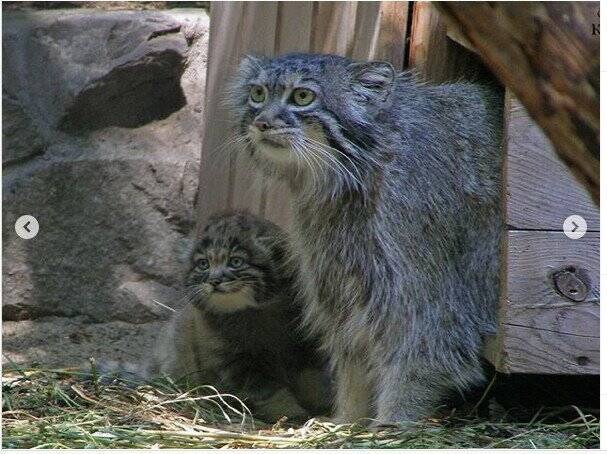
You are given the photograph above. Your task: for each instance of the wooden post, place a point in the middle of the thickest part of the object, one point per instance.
(435, 55)
(360, 30)
(549, 305)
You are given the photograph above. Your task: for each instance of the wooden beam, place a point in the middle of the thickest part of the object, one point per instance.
(549, 306)
(547, 53)
(540, 190)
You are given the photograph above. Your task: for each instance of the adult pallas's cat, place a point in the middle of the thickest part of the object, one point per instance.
(395, 219)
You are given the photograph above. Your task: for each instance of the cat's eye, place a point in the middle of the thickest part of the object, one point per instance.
(257, 93)
(235, 262)
(303, 96)
(203, 264)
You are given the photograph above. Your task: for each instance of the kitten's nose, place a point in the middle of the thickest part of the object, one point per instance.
(214, 282)
(262, 125)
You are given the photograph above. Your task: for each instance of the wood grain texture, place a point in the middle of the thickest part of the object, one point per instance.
(541, 191)
(534, 261)
(436, 56)
(547, 54)
(541, 330)
(380, 32)
(333, 27)
(533, 351)
(429, 46)
(214, 183)
(360, 30)
(294, 32)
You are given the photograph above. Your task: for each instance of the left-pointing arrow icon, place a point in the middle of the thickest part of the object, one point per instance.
(27, 227)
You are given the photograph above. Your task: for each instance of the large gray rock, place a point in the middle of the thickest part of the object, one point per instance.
(20, 139)
(84, 70)
(102, 223)
(102, 114)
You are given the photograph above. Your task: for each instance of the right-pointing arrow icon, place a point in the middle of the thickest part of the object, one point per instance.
(574, 227)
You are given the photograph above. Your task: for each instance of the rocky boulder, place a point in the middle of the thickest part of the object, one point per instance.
(102, 114)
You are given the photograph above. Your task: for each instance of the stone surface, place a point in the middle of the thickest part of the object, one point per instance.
(20, 139)
(102, 113)
(145, 301)
(102, 223)
(70, 342)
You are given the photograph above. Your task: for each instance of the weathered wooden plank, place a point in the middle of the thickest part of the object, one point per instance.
(392, 37)
(294, 28)
(214, 184)
(366, 31)
(228, 183)
(380, 32)
(437, 57)
(534, 351)
(246, 186)
(577, 319)
(541, 191)
(429, 44)
(333, 27)
(535, 260)
(549, 322)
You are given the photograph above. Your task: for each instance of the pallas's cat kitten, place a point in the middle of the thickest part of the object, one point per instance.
(395, 219)
(240, 330)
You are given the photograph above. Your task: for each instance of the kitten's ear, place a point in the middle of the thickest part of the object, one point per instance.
(184, 249)
(372, 77)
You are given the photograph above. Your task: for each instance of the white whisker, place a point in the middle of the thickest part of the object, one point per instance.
(164, 305)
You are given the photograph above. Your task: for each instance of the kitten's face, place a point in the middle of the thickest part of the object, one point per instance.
(301, 115)
(232, 266)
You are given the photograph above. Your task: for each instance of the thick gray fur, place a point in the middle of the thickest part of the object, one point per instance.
(395, 220)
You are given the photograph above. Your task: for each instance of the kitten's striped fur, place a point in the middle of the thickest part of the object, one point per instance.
(240, 330)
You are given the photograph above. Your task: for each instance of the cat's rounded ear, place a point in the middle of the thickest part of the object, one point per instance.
(369, 78)
(249, 65)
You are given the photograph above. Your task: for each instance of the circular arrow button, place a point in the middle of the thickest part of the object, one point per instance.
(27, 227)
(575, 227)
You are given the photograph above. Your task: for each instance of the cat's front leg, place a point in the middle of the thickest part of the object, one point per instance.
(354, 392)
(407, 394)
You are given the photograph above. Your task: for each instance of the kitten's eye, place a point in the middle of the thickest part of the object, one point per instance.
(303, 96)
(203, 264)
(257, 94)
(235, 262)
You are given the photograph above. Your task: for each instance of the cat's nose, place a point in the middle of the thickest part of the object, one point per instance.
(262, 125)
